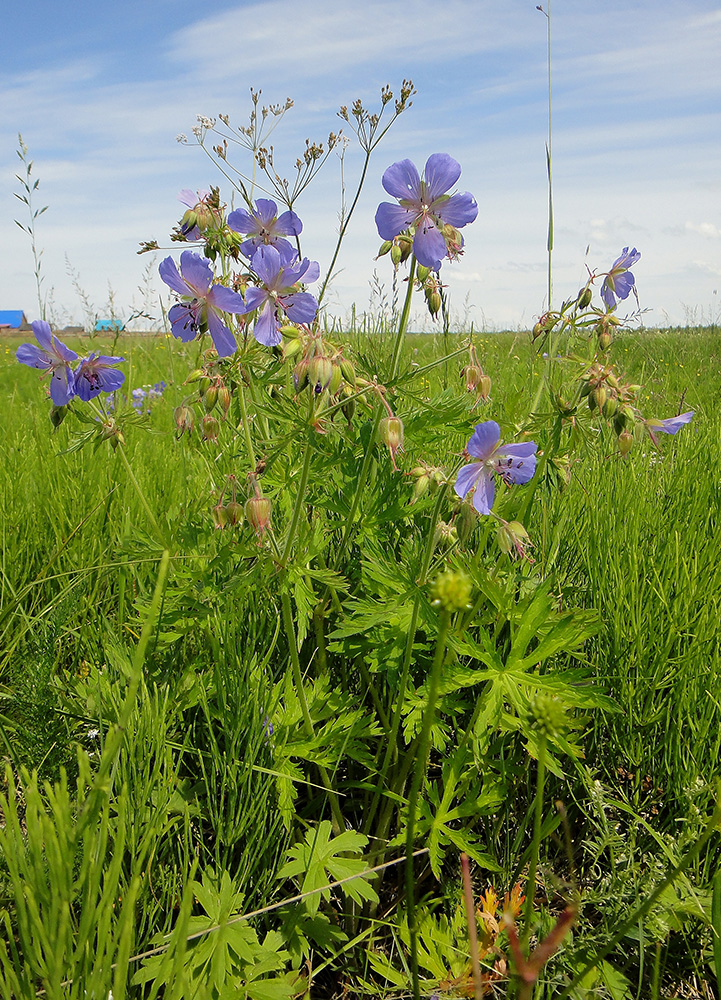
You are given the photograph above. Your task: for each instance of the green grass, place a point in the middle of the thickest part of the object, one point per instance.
(635, 540)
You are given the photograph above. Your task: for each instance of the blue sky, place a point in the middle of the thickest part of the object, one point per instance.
(100, 91)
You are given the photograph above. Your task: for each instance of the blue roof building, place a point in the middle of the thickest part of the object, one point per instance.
(13, 318)
(112, 325)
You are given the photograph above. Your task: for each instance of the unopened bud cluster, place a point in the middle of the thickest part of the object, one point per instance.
(613, 399)
(215, 383)
(427, 480)
(476, 380)
(452, 591)
(430, 283)
(321, 368)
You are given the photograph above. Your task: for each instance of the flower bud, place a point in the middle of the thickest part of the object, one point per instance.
(546, 715)
(320, 372)
(446, 535)
(609, 407)
(184, 420)
(512, 536)
(57, 415)
(220, 516)
(625, 442)
(211, 428)
(484, 387)
(422, 272)
(336, 379)
(406, 245)
(224, 398)
(452, 591)
(210, 398)
(584, 297)
(466, 521)
(472, 375)
(390, 431)
(257, 514)
(300, 375)
(234, 512)
(605, 340)
(384, 248)
(348, 371)
(601, 395)
(396, 254)
(421, 486)
(291, 347)
(195, 376)
(434, 302)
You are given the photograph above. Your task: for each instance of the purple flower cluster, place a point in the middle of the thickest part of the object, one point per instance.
(425, 207)
(95, 374)
(274, 292)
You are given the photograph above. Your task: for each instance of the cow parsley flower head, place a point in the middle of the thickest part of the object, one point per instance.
(202, 302)
(424, 206)
(278, 293)
(97, 373)
(514, 463)
(619, 281)
(264, 227)
(54, 357)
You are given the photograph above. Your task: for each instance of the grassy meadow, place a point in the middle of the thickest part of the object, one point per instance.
(180, 750)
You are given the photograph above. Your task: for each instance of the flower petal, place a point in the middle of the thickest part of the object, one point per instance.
(429, 246)
(288, 224)
(241, 221)
(266, 263)
(515, 468)
(301, 307)
(466, 478)
(223, 339)
(671, 425)
(459, 210)
(43, 333)
(196, 271)
(183, 322)
(265, 213)
(441, 173)
(484, 493)
(168, 271)
(623, 283)
(266, 330)
(393, 219)
(402, 180)
(484, 439)
(62, 386)
(226, 299)
(254, 298)
(29, 354)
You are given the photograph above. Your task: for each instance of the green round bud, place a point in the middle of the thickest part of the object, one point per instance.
(625, 442)
(452, 590)
(584, 297)
(546, 715)
(210, 398)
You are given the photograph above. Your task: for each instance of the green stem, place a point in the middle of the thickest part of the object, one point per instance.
(392, 744)
(418, 777)
(360, 486)
(344, 227)
(298, 507)
(403, 325)
(536, 844)
(338, 823)
(141, 495)
(246, 428)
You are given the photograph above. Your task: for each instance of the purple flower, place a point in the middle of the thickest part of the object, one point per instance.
(202, 302)
(514, 463)
(55, 357)
(266, 228)
(619, 281)
(424, 205)
(96, 374)
(671, 425)
(278, 293)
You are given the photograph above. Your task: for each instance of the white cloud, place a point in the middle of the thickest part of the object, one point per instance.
(706, 229)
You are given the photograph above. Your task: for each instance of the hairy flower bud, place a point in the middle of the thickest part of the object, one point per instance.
(257, 514)
(300, 375)
(211, 428)
(396, 254)
(220, 516)
(57, 415)
(320, 372)
(348, 371)
(609, 407)
(484, 387)
(466, 520)
(513, 537)
(472, 375)
(184, 420)
(210, 398)
(434, 302)
(625, 442)
(390, 432)
(584, 297)
(234, 513)
(224, 398)
(384, 248)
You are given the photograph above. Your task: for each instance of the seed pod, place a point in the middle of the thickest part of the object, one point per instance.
(484, 387)
(472, 374)
(390, 431)
(220, 516)
(601, 396)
